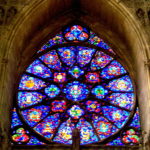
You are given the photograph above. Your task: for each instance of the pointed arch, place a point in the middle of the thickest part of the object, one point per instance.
(139, 48)
(75, 81)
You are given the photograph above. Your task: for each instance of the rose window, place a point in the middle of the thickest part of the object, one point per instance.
(81, 85)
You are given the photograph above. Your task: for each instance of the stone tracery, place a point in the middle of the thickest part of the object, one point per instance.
(104, 78)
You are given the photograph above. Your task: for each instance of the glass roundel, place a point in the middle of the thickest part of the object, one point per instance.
(74, 87)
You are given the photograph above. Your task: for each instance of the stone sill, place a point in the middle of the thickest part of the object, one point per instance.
(65, 147)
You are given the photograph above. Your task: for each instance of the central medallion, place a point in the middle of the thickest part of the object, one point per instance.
(76, 91)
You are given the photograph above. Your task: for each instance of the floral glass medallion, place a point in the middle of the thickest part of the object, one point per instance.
(76, 72)
(75, 112)
(76, 33)
(52, 91)
(76, 91)
(99, 91)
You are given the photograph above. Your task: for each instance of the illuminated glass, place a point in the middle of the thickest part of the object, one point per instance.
(87, 134)
(52, 91)
(92, 77)
(64, 134)
(31, 83)
(76, 91)
(84, 55)
(37, 68)
(48, 126)
(58, 39)
(21, 136)
(59, 106)
(93, 106)
(51, 60)
(99, 92)
(76, 81)
(60, 77)
(76, 33)
(100, 60)
(67, 55)
(26, 99)
(76, 72)
(113, 70)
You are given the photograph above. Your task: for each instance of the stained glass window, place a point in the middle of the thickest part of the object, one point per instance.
(75, 82)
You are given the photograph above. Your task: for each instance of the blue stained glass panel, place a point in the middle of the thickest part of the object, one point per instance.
(76, 33)
(67, 55)
(34, 141)
(35, 114)
(103, 45)
(31, 83)
(75, 112)
(92, 77)
(58, 106)
(76, 72)
(87, 134)
(103, 127)
(39, 69)
(26, 99)
(125, 100)
(136, 120)
(48, 126)
(116, 142)
(84, 55)
(58, 39)
(15, 119)
(121, 84)
(60, 77)
(95, 40)
(52, 60)
(52, 91)
(117, 116)
(113, 70)
(100, 60)
(64, 134)
(76, 91)
(99, 91)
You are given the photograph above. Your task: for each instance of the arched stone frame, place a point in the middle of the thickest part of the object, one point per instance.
(109, 19)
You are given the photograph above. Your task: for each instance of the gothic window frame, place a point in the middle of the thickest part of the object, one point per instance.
(83, 44)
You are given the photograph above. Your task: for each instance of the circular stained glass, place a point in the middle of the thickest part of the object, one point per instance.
(75, 87)
(76, 91)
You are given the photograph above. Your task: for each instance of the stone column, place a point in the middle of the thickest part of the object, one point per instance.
(76, 139)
